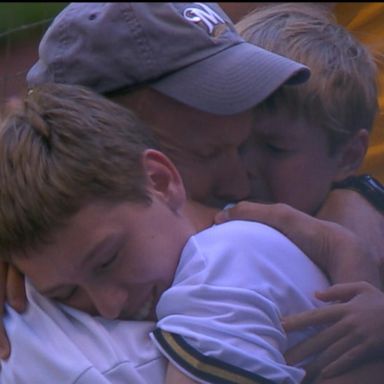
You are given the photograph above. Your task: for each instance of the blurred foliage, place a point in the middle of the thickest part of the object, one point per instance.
(19, 17)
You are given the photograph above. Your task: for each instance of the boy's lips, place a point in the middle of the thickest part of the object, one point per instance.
(146, 309)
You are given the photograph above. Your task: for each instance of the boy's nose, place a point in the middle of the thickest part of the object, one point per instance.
(109, 302)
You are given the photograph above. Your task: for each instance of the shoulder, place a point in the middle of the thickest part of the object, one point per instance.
(243, 252)
(234, 230)
(240, 239)
(236, 242)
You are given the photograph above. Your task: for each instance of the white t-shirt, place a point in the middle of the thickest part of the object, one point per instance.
(55, 344)
(233, 284)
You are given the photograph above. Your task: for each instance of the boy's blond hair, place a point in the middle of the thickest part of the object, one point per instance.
(341, 94)
(62, 147)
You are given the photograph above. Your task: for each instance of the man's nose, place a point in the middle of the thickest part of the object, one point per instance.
(255, 166)
(251, 159)
(234, 183)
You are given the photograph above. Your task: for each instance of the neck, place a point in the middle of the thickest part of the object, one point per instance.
(200, 215)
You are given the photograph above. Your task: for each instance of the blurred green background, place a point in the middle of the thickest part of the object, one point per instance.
(21, 27)
(18, 15)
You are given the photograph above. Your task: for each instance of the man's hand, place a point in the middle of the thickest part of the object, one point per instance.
(335, 249)
(354, 332)
(12, 291)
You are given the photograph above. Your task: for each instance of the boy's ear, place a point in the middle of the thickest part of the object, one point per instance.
(352, 154)
(163, 178)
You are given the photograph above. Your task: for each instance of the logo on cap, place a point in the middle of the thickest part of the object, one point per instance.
(205, 15)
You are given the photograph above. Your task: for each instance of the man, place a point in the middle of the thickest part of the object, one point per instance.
(208, 77)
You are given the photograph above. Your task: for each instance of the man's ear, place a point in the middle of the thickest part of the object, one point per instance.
(352, 154)
(163, 178)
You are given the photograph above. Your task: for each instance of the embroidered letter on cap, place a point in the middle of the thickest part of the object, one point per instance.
(206, 15)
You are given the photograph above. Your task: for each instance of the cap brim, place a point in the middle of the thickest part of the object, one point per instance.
(233, 80)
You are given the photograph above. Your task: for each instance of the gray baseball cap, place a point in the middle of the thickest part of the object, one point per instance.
(188, 51)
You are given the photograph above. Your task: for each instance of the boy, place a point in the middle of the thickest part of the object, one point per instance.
(364, 21)
(307, 138)
(105, 227)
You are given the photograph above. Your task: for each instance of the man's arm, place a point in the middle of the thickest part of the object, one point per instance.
(351, 210)
(334, 248)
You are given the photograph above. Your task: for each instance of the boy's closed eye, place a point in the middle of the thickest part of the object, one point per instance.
(277, 148)
(274, 148)
(68, 293)
(106, 264)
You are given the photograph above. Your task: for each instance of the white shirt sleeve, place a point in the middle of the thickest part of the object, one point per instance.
(233, 284)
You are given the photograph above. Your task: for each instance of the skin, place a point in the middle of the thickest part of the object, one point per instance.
(101, 270)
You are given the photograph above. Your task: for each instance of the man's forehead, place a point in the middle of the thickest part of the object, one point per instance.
(192, 135)
(204, 127)
(281, 124)
(175, 122)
